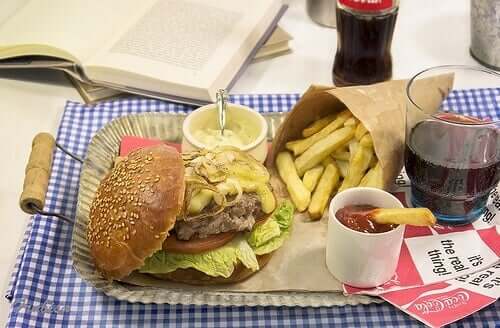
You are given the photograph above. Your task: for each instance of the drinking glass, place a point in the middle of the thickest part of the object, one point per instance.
(452, 152)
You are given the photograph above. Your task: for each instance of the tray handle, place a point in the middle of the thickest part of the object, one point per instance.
(37, 173)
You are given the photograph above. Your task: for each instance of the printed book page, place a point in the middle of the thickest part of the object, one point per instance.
(79, 28)
(193, 47)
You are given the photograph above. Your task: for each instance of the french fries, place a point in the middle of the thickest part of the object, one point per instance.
(335, 154)
(343, 167)
(311, 177)
(366, 141)
(353, 144)
(300, 195)
(421, 217)
(300, 146)
(352, 121)
(322, 149)
(341, 155)
(316, 126)
(357, 167)
(373, 178)
(327, 160)
(326, 184)
(360, 131)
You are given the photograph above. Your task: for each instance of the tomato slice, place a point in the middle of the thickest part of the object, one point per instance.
(197, 245)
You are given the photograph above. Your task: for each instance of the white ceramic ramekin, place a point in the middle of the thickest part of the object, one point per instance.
(361, 259)
(257, 148)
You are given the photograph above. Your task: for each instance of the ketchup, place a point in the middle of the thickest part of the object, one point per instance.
(357, 217)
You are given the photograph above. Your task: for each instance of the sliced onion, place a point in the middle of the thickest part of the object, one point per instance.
(239, 190)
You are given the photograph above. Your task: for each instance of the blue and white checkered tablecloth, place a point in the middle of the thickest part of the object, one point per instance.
(45, 291)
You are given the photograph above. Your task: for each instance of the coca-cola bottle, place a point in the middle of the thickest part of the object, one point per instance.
(364, 37)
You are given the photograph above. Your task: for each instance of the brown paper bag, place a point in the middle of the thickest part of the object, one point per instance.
(380, 107)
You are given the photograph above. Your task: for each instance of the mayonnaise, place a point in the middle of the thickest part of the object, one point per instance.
(234, 135)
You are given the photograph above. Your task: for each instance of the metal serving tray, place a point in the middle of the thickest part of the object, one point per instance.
(102, 151)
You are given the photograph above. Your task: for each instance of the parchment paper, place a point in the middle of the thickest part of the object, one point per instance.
(299, 265)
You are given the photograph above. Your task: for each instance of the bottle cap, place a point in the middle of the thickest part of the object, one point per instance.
(368, 5)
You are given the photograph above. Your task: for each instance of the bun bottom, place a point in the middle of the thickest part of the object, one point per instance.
(195, 277)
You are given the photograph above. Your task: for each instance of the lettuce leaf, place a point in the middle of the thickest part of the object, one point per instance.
(270, 236)
(217, 262)
(262, 233)
(272, 244)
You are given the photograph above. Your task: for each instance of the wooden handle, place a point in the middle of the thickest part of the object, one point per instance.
(37, 173)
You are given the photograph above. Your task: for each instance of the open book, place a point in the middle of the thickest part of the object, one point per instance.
(176, 49)
(276, 45)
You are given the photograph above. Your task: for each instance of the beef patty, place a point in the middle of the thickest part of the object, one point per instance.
(239, 217)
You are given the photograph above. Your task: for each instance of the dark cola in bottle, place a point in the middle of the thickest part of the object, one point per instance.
(364, 37)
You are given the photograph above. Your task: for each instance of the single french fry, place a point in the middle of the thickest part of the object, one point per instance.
(352, 121)
(366, 140)
(299, 194)
(300, 146)
(344, 149)
(342, 155)
(327, 160)
(326, 184)
(316, 126)
(367, 178)
(367, 158)
(311, 177)
(357, 167)
(374, 161)
(421, 217)
(360, 131)
(353, 145)
(322, 149)
(373, 178)
(343, 167)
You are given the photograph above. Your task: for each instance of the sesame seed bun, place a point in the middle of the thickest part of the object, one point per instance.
(135, 207)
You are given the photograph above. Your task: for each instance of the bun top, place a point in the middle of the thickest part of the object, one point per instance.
(135, 207)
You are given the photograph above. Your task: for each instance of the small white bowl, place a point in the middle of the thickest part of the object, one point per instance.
(361, 259)
(206, 117)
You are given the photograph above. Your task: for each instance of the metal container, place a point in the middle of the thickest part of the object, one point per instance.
(322, 12)
(485, 32)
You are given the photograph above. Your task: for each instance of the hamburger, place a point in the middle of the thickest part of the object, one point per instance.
(206, 217)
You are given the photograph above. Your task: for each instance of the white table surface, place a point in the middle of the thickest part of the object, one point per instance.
(428, 33)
